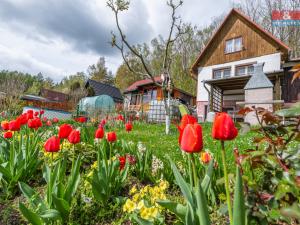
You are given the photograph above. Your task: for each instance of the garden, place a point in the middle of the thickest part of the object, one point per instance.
(119, 169)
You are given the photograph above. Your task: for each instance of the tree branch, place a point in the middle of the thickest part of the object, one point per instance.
(116, 9)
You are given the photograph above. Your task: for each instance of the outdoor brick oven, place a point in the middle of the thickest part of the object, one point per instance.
(258, 93)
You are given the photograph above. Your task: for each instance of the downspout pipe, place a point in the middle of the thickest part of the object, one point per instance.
(209, 96)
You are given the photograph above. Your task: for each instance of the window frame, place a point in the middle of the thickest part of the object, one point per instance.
(246, 65)
(222, 72)
(234, 50)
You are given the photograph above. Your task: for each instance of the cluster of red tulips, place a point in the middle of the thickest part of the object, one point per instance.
(66, 131)
(191, 141)
(30, 118)
(191, 138)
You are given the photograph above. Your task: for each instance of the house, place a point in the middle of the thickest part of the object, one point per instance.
(227, 62)
(54, 95)
(96, 88)
(49, 99)
(141, 92)
(55, 104)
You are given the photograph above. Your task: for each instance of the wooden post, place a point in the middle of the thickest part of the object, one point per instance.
(221, 99)
(277, 90)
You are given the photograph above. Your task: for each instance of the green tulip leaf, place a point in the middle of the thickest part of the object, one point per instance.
(239, 212)
(202, 209)
(185, 189)
(178, 209)
(31, 216)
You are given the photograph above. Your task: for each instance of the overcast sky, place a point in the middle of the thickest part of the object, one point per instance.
(62, 37)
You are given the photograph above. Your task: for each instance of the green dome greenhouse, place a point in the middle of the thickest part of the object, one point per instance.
(96, 104)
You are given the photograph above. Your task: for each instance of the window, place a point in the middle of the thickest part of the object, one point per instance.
(217, 74)
(227, 73)
(222, 73)
(146, 96)
(154, 94)
(233, 45)
(244, 70)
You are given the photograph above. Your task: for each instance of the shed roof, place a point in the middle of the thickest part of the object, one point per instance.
(139, 83)
(105, 89)
(54, 95)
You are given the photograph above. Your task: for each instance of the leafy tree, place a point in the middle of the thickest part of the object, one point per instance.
(99, 72)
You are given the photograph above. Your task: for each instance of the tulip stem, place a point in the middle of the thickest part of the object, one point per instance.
(190, 169)
(226, 183)
(51, 160)
(194, 171)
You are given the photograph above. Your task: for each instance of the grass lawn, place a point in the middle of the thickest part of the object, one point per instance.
(153, 137)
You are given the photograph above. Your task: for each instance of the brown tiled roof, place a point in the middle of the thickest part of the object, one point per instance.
(140, 83)
(54, 95)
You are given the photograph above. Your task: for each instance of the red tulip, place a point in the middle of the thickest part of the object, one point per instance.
(223, 127)
(8, 135)
(42, 112)
(192, 138)
(55, 120)
(34, 123)
(5, 125)
(45, 119)
(52, 144)
(29, 114)
(74, 137)
(120, 117)
(99, 133)
(49, 123)
(36, 114)
(185, 120)
(64, 131)
(14, 125)
(128, 127)
(81, 119)
(111, 136)
(122, 160)
(23, 119)
(31, 123)
(102, 123)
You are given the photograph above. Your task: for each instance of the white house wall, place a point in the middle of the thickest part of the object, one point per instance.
(272, 63)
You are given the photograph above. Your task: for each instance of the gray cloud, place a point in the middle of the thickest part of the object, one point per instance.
(75, 22)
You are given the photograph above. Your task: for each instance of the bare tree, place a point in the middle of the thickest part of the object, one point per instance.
(120, 41)
(261, 12)
(13, 90)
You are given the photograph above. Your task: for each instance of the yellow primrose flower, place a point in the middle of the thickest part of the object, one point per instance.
(129, 206)
(148, 213)
(95, 165)
(140, 205)
(50, 155)
(164, 185)
(133, 190)
(153, 211)
(136, 197)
